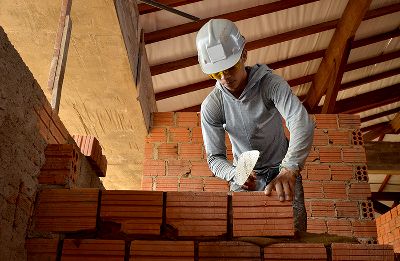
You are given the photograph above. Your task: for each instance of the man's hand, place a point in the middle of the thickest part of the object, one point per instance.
(251, 182)
(283, 184)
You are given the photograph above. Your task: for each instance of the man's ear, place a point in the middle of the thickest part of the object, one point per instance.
(244, 55)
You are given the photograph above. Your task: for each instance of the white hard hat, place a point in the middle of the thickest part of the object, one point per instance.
(219, 45)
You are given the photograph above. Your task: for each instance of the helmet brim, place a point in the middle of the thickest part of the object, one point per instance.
(222, 65)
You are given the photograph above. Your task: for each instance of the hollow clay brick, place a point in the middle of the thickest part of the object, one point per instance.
(161, 119)
(330, 154)
(153, 167)
(228, 250)
(197, 136)
(318, 172)
(168, 151)
(344, 252)
(295, 251)
(178, 168)
(349, 121)
(354, 155)
(93, 249)
(326, 121)
(190, 184)
(41, 249)
(320, 138)
(187, 119)
(339, 137)
(341, 172)
(178, 134)
(138, 212)
(157, 134)
(64, 210)
(214, 184)
(255, 214)
(142, 250)
(197, 213)
(190, 151)
(200, 169)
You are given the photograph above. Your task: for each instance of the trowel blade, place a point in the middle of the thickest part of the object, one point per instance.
(245, 165)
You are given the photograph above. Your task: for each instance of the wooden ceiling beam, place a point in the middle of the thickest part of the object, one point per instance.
(294, 34)
(369, 79)
(379, 115)
(395, 123)
(382, 157)
(374, 60)
(369, 100)
(376, 131)
(191, 27)
(384, 183)
(145, 8)
(385, 196)
(328, 74)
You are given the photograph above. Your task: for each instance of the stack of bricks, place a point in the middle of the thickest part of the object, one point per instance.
(91, 224)
(388, 226)
(335, 176)
(61, 164)
(175, 157)
(90, 147)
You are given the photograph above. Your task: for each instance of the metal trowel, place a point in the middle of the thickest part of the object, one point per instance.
(245, 165)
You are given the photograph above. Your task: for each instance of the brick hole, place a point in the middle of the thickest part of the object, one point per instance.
(367, 210)
(361, 173)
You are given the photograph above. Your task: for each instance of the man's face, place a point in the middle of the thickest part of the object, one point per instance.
(235, 78)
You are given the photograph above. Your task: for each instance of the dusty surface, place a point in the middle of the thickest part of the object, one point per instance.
(99, 95)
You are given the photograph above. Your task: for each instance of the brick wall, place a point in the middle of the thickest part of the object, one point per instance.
(335, 176)
(91, 224)
(27, 126)
(388, 226)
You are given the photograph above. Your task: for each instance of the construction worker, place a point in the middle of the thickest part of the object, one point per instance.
(247, 103)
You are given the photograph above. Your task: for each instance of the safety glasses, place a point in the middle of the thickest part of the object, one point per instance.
(218, 75)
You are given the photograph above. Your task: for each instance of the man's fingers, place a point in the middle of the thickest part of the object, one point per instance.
(279, 190)
(245, 187)
(268, 189)
(287, 191)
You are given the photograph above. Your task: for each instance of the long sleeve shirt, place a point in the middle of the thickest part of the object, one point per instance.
(253, 122)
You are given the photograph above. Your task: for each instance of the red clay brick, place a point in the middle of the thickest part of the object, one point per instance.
(191, 151)
(313, 156)
(361, 173)
(295, 251)
(320, 138)
(166, 183)
(93, 249)
(161, 119)
(154, 167)
(364, 228)
(197, 136)
(64, 210)
(157, 135)
(168, 151)
(178, 134)
(149, 151)
(228, 250)
(312, 189)
(191, 184)
(354, 155)
(201, 169)
(340, 172)
(178, 168)
(334, 190)
(317, 226)
(367, 210)
(187, 119)
(347, 209)
(349, 121)
(359, 190)
(341, 227)
(214, 184)
(161, 250)
(330, 154)
(318, 172)
(326, 121)
(147, 183)
(338, 137)
(139, 212)
(344, 252)
(197, 213)
(255, 214)
(39, 249)
(322, 208)
(357, 137)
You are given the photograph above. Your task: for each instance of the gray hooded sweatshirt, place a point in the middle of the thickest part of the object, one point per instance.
(253, 122)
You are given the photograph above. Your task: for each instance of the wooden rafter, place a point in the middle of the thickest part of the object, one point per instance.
(384, 183)
(294, 34)
(369, 100)
(328, 71)
(369, 79)
(379, 115)
(187, 28)
(395, 122)
(145, 9)
(382, 157)
(376, 130)
(385, 195)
